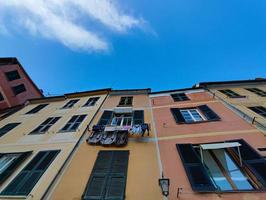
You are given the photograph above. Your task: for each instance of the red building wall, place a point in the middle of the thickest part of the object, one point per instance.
(10, 99)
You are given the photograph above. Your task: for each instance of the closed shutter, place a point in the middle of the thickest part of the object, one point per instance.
(253, 160)
(199, 179)
(208, 113)
(138, 117)
(24, 182)
(10, 169)
(105, 118)
(177, 115)
(108, 177)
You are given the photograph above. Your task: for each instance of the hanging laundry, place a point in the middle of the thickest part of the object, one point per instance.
(136, 129)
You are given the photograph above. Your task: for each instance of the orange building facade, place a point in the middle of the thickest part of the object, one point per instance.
(207, 151)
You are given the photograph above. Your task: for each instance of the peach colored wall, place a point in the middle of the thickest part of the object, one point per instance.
(169, 134)
(6, 87)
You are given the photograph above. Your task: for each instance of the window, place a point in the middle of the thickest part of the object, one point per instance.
(191, 115)
(180, 97)
(92, 101)
(12, 75)
(25, 181)
(138, 117)
(1, 97)
(37, 108)
(259, 110)
(73, 123)
(219, 169)
(257, 91)
(195, 114)
(108, 176)
(124, 119)
(125, 101)
(71, 103)
(18, 89)
(41, 129)
(9, 162)
(230, 93)
(5, 129)
(106, 117)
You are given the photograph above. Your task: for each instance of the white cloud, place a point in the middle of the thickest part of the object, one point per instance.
(61, 20)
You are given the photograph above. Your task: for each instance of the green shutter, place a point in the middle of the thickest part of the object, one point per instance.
(24, 182)
(108, 177)
(105, 118)
(177, 115)
(138, 117)
(15, 164)
(198, 177)
(209, 113)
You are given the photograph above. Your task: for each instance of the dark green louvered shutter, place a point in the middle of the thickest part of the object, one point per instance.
(24, 182)
(198, 177)
(8, 127)
(11, 168)
(209, 113)
(253, 160)
(105, 118)
(108, 177)
(138, 117)
(177, 115)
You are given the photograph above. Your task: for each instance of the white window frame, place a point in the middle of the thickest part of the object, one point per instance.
(123, 118)
(191, 115)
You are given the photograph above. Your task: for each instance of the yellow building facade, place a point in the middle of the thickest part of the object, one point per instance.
(139, 180)
(247, 98)
(37, 141)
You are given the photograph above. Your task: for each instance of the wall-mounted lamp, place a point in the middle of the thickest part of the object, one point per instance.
(164, 184)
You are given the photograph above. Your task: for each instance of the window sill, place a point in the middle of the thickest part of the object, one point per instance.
(12, 197)
(124, 106)
(233, 191)
(199, 122)
(238, 97)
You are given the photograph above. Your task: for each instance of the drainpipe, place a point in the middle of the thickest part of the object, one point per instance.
(59, 174)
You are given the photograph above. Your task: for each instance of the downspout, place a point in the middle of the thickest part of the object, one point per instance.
(59, 174)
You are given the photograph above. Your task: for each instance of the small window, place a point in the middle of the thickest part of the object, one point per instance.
(70, 104)
(41, 129)
(1, 97)
(25, 181)
(73, 123)
(257, 91)
(5, 129)
(18, 89)
(126, 101)
(192, 115)
(231, 93)
(12, 75)
(195, 114)
(180, 97)
(259, 110)
(92, 101)
(37, 108)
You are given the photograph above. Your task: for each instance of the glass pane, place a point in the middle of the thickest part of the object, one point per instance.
(186, 116)
(233, 170)
(215, 172)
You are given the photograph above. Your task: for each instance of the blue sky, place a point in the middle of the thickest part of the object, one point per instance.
(138, 44)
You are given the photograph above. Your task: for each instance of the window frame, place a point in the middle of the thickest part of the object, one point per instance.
(9, 75)
(49, 122)
(231, 94)
(91, 101)
(73, 123)
(262, 114)
(188, 110)
(36, 109)
(125, 101)
(257, 91)
(70, 104)
(2, 133)
(18, 89)
(179, 97)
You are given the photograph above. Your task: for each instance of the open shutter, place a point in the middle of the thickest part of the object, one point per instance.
(208, 113)
(24, 182)
(253, 160)
(105, 118)
(199, 179)
(177, 115)
(138, 117)
(10, 169)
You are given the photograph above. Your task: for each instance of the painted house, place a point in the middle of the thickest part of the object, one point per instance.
(37, 141)
(207, 150)
(116, 159)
